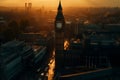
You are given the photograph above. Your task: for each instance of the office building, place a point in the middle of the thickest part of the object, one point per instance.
(14, 56)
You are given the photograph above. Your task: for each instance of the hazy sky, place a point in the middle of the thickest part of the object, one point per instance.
(54, 3)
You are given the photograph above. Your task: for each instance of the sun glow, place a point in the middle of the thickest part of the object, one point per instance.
(65, 3)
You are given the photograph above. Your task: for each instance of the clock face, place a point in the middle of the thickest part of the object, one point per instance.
(59, 25)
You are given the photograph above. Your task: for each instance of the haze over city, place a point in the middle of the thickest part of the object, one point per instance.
(59, 39)
(66, 3)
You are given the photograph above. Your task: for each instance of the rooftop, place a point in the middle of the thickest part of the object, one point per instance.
(89, 73)
(12, 44)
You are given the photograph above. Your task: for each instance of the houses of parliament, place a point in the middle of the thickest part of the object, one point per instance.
(90, 53)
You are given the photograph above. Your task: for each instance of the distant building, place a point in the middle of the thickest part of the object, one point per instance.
(114, 28)
(3, 25)
(28, 7)
(77, 27)
(68, 30)
(42, 38)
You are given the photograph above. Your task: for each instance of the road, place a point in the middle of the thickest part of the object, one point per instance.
(51, 67)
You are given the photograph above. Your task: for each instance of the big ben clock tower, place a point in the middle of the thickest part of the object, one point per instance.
(59, 38)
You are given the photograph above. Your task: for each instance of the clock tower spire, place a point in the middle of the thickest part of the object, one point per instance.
(60, 6)
(60, 16)
(59, 38)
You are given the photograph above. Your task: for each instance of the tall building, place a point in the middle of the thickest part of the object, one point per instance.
(25, 6)
(59, 37)
(28, 7)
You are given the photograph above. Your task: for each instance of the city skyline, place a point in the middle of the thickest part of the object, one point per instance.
(59, 40)
(66, 3)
